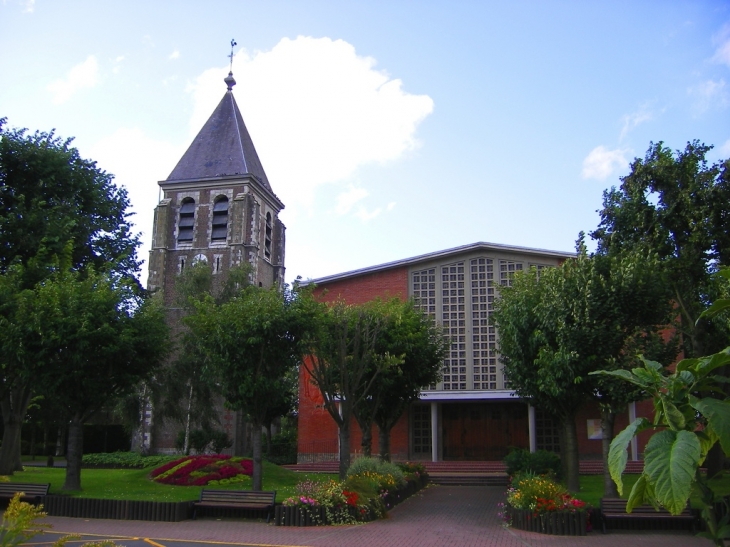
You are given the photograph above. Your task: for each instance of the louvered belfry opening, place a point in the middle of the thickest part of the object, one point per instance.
(186, 222)
(220, 219)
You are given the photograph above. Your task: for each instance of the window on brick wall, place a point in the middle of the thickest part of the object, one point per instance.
(186, 222)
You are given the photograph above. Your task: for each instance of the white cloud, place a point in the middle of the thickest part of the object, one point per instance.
(347, 200)
(602, 162)
(82, 76)
(138, 163)
(365, 215)
(174, 55)
(722, 53)
(29, 6)
(316, 111)
(630, 121)
(708, 94)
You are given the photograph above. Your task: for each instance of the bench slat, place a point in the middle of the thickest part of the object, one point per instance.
(615, 509)
(237, 499)
(31, 491)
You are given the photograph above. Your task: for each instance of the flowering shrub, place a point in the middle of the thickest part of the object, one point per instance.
(341, 505)
(206, 470)
(412, 471)
(541, 494)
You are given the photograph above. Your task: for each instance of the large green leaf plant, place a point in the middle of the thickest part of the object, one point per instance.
(691, 415)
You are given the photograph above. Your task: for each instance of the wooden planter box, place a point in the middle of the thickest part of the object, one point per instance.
(317, 516)
(66, 506)
(561, 523)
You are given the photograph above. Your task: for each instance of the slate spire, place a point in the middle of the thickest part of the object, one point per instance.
(223, 146)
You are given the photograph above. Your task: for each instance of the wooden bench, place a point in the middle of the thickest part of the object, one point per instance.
(615, 509)
(32, 493)
(237, 499)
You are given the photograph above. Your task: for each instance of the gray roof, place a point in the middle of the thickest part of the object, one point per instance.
(479, 246)
(223, 147)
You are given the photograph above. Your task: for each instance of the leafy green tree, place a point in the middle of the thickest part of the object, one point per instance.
(250, 342)
(104, 338)
(50, 198)
(181, 392)
(585, 315)
(343, 361)
(418, 342)
(677, 206)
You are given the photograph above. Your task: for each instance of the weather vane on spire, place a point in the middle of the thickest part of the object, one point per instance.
(233, 44)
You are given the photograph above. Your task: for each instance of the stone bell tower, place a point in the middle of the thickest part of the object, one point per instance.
(217, 207)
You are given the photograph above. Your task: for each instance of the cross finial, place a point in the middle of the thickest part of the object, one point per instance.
(233, 43)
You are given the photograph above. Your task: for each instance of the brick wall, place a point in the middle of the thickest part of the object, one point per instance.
(364, 288)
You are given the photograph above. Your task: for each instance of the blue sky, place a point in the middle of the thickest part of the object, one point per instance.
(389, 129)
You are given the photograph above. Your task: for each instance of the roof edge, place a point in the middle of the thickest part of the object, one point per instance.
(246, 178)
(480, 245)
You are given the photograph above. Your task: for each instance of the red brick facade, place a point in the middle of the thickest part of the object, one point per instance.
(484, 417)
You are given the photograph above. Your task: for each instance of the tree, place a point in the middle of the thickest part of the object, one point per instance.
(675, 205)
(343, 362)
(250, 342)
(418, 342)
(181, 391)
(50, 198)
(556, 328)
(94, 337)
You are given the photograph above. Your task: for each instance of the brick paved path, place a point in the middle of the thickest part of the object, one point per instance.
(439, 516)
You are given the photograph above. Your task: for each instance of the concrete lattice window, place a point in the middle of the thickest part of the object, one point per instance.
(186, 222)
(453, 320)
(507, 269)
(484, 336)
(219, 230)
(267, 237)
(423, 285)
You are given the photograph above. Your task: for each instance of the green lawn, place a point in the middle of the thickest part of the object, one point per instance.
(591, 488)
(134, 484)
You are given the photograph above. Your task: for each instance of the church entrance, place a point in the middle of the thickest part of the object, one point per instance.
(483, 431)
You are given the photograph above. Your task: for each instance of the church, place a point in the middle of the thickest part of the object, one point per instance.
(219, 208)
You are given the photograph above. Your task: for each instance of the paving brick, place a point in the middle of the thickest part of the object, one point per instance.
(439, 516)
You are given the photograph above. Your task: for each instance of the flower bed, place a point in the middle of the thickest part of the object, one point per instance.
(562, 523)
(370, 490)
(205, 470)
(539, 504)
(309, 512)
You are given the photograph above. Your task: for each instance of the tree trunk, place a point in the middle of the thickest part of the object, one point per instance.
(240, 446)
(344, 448)
(186, 442)
(608, 420)
(268, 438)
(366, 443)
(60, 441)
(569, 453)
(384, 443)
(13, 406)
(258, 471)
(74, 453)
